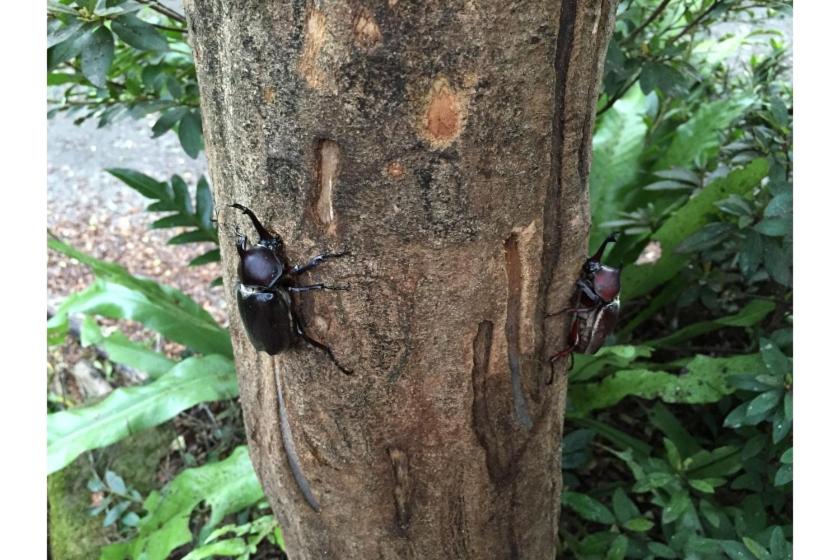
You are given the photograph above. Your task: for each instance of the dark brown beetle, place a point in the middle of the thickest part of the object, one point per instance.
(266, 282)
(595, 306)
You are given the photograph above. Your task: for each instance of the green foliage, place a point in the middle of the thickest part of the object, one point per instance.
(118, 501)
(225, 487)
(118, 294)
(175, 197)
(128, 410)
(678, 443)
(120, 58)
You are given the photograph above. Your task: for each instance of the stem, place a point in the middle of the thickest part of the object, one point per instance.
(161, 9)
(658, 10)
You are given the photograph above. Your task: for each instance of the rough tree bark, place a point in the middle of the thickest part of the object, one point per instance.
(447, 145)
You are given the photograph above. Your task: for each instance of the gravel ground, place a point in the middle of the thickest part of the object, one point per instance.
(98, 214)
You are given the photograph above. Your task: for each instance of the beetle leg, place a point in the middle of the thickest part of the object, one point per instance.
(319, 345)
(301, 289)
(316, 260)
(589, 292)
(566, 352)
(572, 310)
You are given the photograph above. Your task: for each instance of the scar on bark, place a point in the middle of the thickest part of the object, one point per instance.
(328, 158)
(444, 114)
(314, 41)
(402, 492)
(497, 466)
(366, 30)
(513, 269)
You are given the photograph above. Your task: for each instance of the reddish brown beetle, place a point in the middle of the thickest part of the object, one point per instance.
(595, 306)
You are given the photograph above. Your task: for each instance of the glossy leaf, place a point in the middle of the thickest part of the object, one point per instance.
(704, 382)
(129, 410)
(691, 217)
(588, 508)
(226, 487)
(138, 33)
(97, 55)
(189, 133)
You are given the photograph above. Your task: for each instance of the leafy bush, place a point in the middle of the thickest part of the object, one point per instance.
(678, 441)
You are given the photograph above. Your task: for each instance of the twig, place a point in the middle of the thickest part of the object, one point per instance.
(161, 9)
(659, 9)
(169, 28)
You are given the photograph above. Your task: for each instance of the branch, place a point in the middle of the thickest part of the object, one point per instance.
(161, 9)
(659, 9)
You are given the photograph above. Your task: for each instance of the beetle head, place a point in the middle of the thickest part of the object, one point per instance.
(264, 263)
(604, 280)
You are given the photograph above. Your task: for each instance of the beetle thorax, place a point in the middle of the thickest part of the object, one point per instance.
(260, 266)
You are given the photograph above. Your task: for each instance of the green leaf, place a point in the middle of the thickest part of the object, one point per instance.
(751, 254)
(709, 236)
(204, 204)
(774, 227)
(617, 356)
(678, 504)
(618, 548)
(666, 78)
(778, 261)
(588, 508)
(138, 33)
(663, 419)
(702, 486)
(194, 236)
(122, 350)
(639, 525)
(616, 147)
(753, 313)
(781, 425)
(764, 402)
(774, 359)
(787, 457)
(226, 487)
(189, 133)
(735, 550)
(784, 475)
(210, 256)
(69, 47)
(704, 382)
(623, 506)
(115, 482)
(128, 410)
(97, 55)
(58, 32)
(119, 295)
(167, 120)
(699, 135)
(781, 205)
(225, 548)
(182, 195)
(141, 183)
(661, 551)
(758, 551)
(720, 462)
(640, 279)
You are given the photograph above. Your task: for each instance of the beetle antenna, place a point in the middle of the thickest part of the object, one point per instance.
(263, 233)
(599, 254)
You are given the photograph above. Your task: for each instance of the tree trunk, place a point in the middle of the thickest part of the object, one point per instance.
(447, 145)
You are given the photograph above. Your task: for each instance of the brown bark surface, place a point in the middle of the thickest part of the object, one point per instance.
(447, 145)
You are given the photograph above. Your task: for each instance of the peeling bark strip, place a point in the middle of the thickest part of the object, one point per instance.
(289, 444)
(419, 136)
(328, 156)
(402, 491)
(513, 270)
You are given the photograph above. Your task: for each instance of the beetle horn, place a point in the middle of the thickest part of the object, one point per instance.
(599, 254)
(263, 233)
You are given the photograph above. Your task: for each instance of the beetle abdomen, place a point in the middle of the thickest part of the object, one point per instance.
(267, 317)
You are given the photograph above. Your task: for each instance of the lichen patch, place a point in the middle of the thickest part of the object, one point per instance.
(366, 30)
(444, 114)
